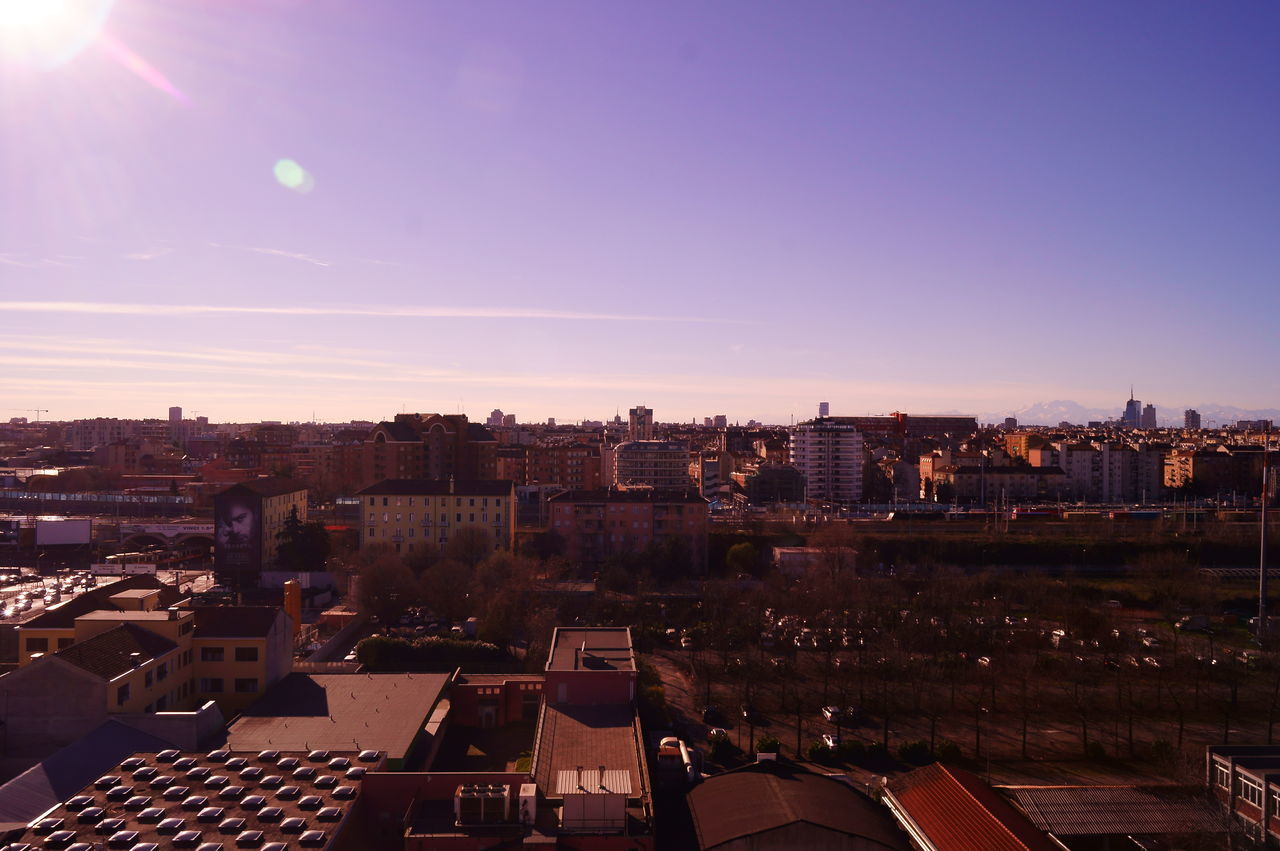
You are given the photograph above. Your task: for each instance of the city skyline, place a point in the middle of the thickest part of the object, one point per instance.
(341, 212)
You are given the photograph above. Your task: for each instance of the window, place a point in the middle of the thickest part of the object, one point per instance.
(371, 500)
(211, 685)
(122, 695)
(246, 654)
(373, 533)
(64, 643)
(471, 503)
(384, 502)
(373, 515)
(1251, 791)
(411, 506)
(211, 654)
(471, 518)
(37, 645)
(246, 685)
(186, 626)
(459, 518)
(147, 679)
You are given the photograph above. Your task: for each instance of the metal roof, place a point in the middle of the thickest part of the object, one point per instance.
(1115, 810)
(593, 781)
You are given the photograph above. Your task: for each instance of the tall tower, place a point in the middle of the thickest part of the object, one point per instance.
(824, 409)
(1191, 419)
(175, 414)
(1132, 412)
(641, 427)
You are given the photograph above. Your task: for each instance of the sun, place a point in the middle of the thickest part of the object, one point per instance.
(47, 33)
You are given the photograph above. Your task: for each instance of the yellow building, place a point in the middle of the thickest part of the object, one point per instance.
(416, 515)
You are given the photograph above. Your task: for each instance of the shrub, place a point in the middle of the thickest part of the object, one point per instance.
(915, 753)
(818, 752)
(852, 750)
(721, 747)
(948, 751)
(768, 744)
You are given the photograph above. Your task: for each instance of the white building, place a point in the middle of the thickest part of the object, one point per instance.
(831, 456)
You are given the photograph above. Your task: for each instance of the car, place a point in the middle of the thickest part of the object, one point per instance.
(831, 740)
(716, 733)
(831, 713)
(686, 642)
(351, 656)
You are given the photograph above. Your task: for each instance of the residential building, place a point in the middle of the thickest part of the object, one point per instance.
(1245, 780)
(248, 519)
(648, 463)
(417, 515)
(1149, 416)
(640, 424)
(1191, 419)
(831, 455)
(824, 410)
(597, 525)
(428, 446)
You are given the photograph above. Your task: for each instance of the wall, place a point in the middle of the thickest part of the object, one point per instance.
(48, 705)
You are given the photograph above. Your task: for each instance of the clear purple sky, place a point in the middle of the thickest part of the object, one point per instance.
(562, 209)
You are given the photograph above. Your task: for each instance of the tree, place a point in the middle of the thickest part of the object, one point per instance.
(385, 588)
(743, 558)
(469, 546)
(445, 588)
(302, 546)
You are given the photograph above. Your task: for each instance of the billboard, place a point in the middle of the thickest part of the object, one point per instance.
(237, 533)
(63, 531)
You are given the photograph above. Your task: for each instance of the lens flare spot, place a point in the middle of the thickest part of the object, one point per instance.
(290, 175)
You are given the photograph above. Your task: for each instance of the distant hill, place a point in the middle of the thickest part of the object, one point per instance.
(1066, 410)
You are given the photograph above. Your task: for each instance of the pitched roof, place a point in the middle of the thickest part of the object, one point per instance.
(110, 654)
(399, 431)
(439, 487)
(769, 795)
(48, 783)
(235, 621)
(958, 812)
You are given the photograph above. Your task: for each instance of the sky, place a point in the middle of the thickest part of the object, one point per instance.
(330, 209)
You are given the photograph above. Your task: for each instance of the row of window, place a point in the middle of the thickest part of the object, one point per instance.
(218, 654)
(215, 685)
(444, 518)
(457, 501)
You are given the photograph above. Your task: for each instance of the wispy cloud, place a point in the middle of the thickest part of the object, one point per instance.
(149, 254)
(291, 255)
(126, 309)
(60, 260)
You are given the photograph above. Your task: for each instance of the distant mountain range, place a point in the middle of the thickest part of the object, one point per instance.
(1065, 410)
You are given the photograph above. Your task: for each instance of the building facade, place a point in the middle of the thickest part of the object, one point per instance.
(423, 515)
(831, 455)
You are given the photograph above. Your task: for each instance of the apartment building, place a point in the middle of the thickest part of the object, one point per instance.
(417, 515)
(599, 524)
(831, 455)
(660, 464)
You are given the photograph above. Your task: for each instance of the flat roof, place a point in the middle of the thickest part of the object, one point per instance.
(591, 649)
(384, 712)
(1117, 810)
(128, 615)
(140, 593)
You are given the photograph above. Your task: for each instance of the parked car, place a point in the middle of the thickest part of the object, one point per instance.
(831, 713)
(831, 740)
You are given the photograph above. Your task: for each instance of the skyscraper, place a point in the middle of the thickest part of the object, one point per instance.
(175, 414)
(824, 409)
(1149, 416)
(1191, 418)
(1132, 412)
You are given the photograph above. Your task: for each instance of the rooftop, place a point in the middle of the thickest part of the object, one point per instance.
(269, 486)
(1112, 810)
(958, 812)
(236, 621)
(690, 495)
(439, 487)
(591, 649)
(769, 795)
(570, 737)
(314, 798)
(63, 615)
(339, 711)
(116, 651)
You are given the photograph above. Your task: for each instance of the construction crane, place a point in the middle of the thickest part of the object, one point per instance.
(36, 411)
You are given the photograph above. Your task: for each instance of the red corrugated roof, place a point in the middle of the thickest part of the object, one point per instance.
(958, 812)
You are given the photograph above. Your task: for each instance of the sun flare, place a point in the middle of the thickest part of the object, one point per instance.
(46, 33)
